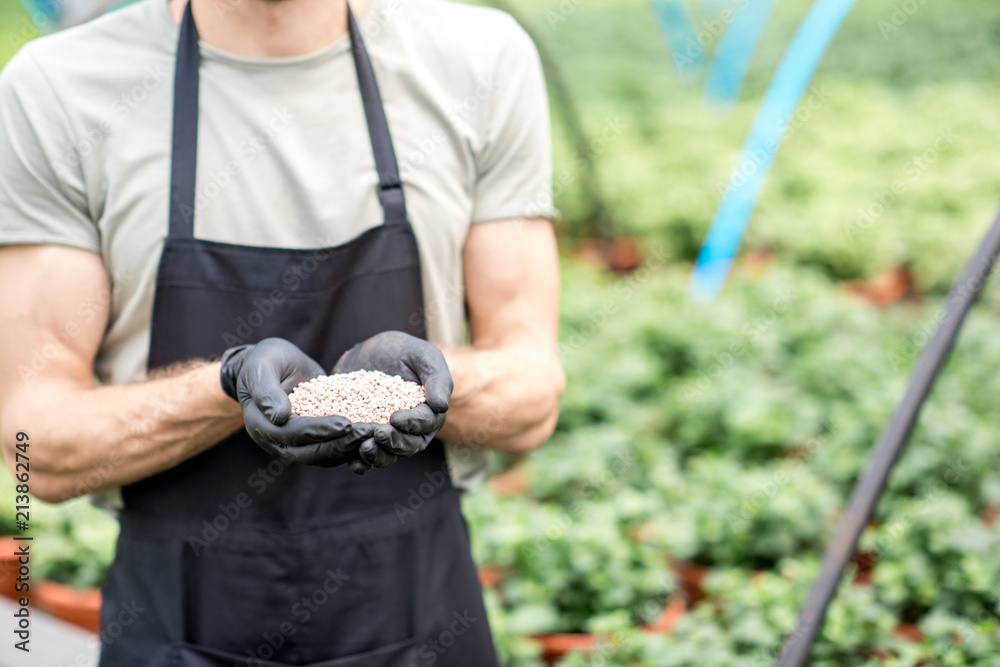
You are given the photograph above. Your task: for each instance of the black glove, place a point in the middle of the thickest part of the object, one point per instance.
(260, 377)
(408, 431)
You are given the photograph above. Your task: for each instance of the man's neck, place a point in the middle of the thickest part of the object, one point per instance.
(269, 28)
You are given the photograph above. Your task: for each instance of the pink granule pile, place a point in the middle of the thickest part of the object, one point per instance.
(361, 396)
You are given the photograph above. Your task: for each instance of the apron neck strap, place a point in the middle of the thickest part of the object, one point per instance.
(390, 187)
(184, 144)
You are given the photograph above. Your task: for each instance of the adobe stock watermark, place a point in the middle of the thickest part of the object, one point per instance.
(265, 307)
(418, 496)
(914, 344)
(965, 628)
(767, 657)
(899, 16)
(452, 291)
(897, 525)
(432, 649)
(610, 131)
(292, 280)
(54, 344)
(248, 150)
(42, 17)
(138, 434)
(563, 11)
(760, 324)
(120, 622)
(301, 611)
(751, 163)
(463, 452)
(625, 289)
(754, 503)
(229, 513)
(25, 31)
(913, 170)
(108, 634)
(623, 460)
(711, 29)
(894, 529)
(456, 115)
(121, 108)
(543, 201)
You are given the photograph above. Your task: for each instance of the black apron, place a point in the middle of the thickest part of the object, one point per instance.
(236, 557)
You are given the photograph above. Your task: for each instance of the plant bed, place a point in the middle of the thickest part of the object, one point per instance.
(865, 563)
(620, 255)
(490, 576)
(664, 456)
(691, 579)
(79, 607)
(909, 632)
(667, 622)
(990, 514)
(555, 646)
(511, 483)
(885, 289)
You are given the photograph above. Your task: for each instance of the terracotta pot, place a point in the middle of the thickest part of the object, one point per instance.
(490, 576)
(79, 607)
(990, 514)
(667, 622)
(556, 646)
(9, 565)
(909, 632)
(510, 483)
(866, 567)
(621, 255)
(886, 288)
(756, 262)
(691, 578)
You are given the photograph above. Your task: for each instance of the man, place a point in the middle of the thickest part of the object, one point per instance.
(281, 187)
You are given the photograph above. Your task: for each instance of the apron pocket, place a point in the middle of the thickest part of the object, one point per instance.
(233, 598)
(298, 598)
(400, 654)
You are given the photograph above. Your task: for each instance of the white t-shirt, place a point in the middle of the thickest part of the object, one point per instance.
(284, 157)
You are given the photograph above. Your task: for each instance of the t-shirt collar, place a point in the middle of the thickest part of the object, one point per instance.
(341, 45)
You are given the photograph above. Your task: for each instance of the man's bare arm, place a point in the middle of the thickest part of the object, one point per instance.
(509, 381)
(54, 302)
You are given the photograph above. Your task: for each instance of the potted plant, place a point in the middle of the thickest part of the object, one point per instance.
(81, 607)
(9, 566)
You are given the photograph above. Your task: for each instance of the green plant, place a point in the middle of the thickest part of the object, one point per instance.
(566, 566)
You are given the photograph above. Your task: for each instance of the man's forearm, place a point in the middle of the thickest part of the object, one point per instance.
(505, 399)
(87, 439)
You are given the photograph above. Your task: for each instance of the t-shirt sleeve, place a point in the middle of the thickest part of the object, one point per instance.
(42, 194)
(514, 163)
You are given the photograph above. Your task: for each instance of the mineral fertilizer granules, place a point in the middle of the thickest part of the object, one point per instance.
(361, 396)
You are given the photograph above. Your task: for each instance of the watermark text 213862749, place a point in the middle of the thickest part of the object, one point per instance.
(22, 506)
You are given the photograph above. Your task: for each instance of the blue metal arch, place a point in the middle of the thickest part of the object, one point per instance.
(762, 144)
(735, 50)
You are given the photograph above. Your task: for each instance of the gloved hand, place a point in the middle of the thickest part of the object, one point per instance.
(408, 431)
(260, 377)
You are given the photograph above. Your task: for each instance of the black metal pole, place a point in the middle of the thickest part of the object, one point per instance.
(894, 438)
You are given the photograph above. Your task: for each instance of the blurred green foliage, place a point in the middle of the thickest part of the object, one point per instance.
(729, 434)
(885, 98)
